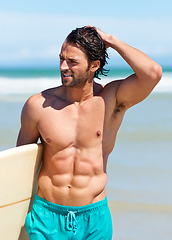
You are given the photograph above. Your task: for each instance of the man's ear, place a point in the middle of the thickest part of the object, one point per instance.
(95, 65)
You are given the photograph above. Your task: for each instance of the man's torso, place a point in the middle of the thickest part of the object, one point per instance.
(77, 140)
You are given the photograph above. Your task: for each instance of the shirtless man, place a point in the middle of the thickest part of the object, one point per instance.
(77, 124)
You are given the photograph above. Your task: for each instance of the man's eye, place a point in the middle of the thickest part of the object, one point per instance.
(73, 61)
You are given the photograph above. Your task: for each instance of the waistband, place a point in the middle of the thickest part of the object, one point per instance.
(38, 201)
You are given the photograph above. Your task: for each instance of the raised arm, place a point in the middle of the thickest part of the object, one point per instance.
(138, 86)
(29, 118)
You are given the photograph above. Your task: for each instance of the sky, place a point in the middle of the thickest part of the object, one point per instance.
(32, 32)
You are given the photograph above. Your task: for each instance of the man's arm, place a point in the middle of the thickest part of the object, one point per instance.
(29, 132)
(138, 86)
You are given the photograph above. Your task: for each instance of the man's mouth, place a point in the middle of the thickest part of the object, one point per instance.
(66, 75)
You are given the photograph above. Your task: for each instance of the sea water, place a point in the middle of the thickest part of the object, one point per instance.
(139, 170)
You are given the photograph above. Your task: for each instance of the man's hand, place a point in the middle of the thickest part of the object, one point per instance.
(104, 36)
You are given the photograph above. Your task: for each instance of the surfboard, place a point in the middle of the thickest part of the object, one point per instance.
(19, 168)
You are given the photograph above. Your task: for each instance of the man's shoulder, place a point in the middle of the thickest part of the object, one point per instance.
(32, 100)
(110, 88)
(112, 85)
(48, 93)
(52, 92)
(32, 105)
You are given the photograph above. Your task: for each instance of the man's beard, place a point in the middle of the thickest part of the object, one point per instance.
(76, 82)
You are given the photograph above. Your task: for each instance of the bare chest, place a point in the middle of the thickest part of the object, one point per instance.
(81, 126)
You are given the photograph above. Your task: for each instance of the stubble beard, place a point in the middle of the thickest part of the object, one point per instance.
(76, 82)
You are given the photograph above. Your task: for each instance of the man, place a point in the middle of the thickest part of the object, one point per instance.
(77, 124)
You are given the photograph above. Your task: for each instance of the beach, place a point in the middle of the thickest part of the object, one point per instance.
(140, 166)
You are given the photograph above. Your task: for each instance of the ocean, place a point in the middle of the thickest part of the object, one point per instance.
(139, 170)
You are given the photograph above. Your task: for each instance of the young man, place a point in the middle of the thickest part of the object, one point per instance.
(77, 124)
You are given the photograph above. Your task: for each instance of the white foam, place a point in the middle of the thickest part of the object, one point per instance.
(165, 84)
(35, 85)
(26, 85)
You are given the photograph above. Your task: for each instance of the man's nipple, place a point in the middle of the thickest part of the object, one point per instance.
(98, 133)
(48, 140)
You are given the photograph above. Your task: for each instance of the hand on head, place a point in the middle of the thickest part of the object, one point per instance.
(104, 36)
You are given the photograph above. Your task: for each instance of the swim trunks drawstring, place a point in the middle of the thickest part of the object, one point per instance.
(71, 222)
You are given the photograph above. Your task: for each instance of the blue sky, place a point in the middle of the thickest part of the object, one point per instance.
(32, 31)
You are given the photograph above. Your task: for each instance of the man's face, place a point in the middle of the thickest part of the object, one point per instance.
(74, 66)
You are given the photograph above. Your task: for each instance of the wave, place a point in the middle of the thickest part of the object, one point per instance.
(26, 85)
(35, 85)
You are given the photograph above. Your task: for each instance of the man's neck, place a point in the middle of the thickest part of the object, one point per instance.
(78, 95)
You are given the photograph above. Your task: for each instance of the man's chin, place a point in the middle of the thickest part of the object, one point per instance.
(74, 83)
(67, 84)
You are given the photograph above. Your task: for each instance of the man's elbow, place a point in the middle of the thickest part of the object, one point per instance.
(156, 73)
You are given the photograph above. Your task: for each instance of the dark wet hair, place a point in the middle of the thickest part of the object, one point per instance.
(93, 46)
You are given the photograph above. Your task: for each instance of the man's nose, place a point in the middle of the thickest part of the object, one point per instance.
(64, 65)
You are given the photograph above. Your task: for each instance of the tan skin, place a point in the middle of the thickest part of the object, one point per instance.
(78, 124)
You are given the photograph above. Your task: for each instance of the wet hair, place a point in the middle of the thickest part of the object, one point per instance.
(91, 43)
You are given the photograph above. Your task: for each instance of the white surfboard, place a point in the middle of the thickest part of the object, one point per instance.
(19, 168)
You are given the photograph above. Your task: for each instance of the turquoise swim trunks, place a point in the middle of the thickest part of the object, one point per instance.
(50, 221)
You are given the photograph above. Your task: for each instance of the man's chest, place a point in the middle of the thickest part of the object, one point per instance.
(81, 126)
